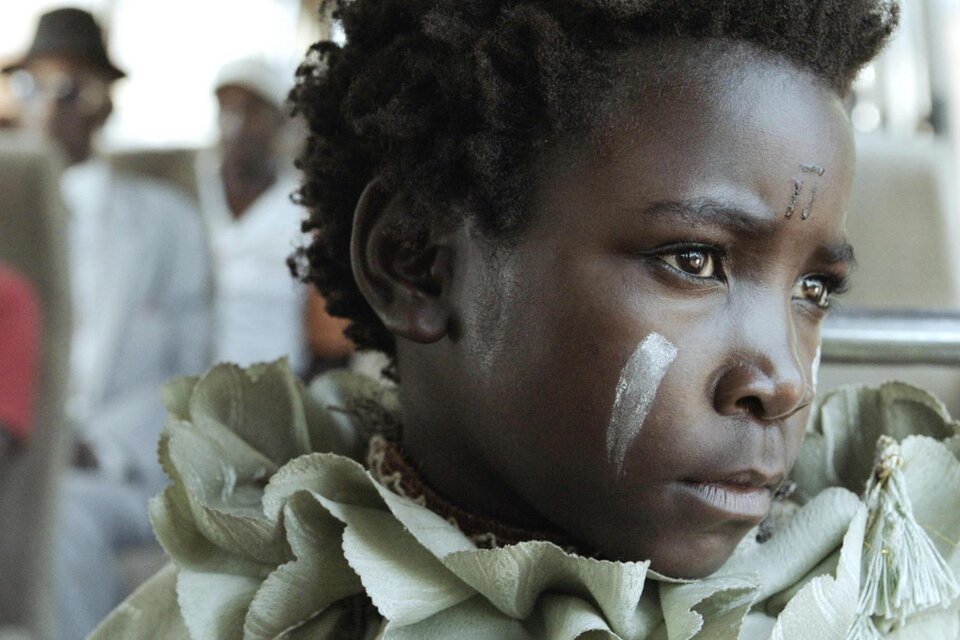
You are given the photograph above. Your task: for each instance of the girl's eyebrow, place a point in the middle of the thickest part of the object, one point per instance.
(699, 212)
(839, 253)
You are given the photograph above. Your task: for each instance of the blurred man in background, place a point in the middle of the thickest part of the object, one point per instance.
(245, 190)
(140, 281)
(138, 259)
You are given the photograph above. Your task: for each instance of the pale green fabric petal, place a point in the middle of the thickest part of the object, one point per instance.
(334, 477)
(953, 445)
(935, 625)
(474, 619)
(812, 535)
(514, 577)
(775, 604)
(302, 589)
(839, 448)
(217, 467)
(932, 475)
(708, 609)
(405, 581)
(152, 606)
(825, 608)
(224, 499)
(176, 396)
(436, 534)
(329, 422)
(757, 626)
(334, 623)
(325, 625)
(214, 605)
(263, 407)
(399, 574)
(179, 535)
(569, 618)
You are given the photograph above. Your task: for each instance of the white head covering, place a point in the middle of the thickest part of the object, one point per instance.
(257, 75)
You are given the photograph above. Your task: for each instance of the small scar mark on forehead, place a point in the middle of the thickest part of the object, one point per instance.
(797, 189)
(806, 209)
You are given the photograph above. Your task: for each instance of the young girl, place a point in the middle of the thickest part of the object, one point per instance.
(598, 238)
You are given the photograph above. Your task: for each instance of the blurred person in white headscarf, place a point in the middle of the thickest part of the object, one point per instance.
(245, 187)
(139, 272)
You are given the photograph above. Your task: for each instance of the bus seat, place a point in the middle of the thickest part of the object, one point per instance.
(172, 166)
(903, 225)
(32, 241)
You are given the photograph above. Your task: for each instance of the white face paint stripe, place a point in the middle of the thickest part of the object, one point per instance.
(815, 369)
(638, 385)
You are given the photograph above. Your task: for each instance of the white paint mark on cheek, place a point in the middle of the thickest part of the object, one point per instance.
(815, 369)
(638, 385)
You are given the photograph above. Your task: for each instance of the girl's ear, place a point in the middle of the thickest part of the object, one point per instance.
(404, 284)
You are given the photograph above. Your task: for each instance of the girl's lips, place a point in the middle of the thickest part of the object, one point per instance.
(729, 501)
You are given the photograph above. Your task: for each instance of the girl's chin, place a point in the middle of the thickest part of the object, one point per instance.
(678, 554)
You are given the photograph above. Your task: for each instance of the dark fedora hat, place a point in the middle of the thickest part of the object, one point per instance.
(71, 33)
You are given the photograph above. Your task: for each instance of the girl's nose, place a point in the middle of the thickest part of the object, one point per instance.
(766, 378)
(763, 391)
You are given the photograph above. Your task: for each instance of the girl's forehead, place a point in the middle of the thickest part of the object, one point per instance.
(678, 78)
(755, 135)
(713, 106)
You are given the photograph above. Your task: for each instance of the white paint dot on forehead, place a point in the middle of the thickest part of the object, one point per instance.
(636, 390)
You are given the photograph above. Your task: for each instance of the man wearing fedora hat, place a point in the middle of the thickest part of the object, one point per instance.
(68, 73)
(139, 273)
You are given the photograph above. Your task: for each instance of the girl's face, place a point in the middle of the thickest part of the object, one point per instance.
(636, 368)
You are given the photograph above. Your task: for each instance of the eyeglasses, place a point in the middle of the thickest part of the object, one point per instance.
(86, 93)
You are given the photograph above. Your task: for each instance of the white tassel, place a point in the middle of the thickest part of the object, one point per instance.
(864, 629)
(903, 573)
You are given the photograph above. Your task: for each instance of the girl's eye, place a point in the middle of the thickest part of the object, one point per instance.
(813, 289)
(694, 262)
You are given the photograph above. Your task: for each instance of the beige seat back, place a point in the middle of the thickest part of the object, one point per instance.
(903, 224)
(172, 166)
(32, 241)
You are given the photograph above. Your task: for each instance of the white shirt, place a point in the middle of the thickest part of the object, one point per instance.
(258, 305)
(141, 310)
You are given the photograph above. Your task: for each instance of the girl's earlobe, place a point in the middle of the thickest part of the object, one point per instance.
(402, 281)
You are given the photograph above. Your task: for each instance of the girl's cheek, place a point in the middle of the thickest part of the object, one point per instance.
(636, 390)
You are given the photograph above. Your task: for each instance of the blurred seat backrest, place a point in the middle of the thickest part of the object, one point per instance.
(33, 241)
(903, 224)
(172, 166)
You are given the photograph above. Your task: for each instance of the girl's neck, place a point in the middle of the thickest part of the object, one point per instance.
(390, 466)
(448, 467)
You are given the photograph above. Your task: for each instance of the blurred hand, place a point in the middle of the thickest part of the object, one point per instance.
(7, 444)
(84, 457)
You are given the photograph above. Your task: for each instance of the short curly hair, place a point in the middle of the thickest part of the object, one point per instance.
(448, 101)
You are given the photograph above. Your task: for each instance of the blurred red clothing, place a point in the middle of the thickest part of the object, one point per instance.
(19, 345)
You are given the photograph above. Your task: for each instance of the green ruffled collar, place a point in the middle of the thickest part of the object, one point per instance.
(276, 531)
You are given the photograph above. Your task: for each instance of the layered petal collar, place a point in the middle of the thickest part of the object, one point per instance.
(276, 531)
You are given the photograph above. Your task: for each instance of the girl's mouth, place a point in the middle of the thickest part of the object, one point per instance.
(737, 500)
